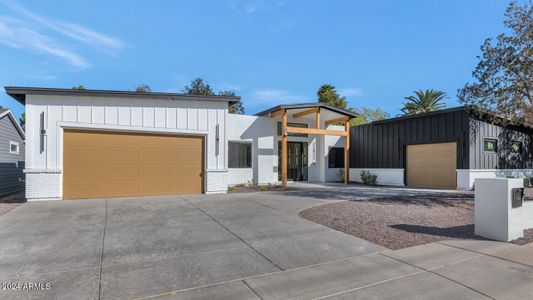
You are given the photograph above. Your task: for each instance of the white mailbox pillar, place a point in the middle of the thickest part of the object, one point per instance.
(495, 217)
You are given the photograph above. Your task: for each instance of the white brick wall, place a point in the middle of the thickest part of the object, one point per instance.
(216, 181)
(43, 184)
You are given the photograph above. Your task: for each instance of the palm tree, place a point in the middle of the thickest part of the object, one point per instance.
(424, 101)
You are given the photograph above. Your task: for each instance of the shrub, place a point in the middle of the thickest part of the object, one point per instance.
(526, 182)
(231, 189)
(368, 178)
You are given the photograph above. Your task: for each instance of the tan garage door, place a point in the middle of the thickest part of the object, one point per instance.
(432, 165)
(111, 164)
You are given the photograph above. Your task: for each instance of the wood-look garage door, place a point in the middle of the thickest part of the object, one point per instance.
(432, 165)
(112, 164)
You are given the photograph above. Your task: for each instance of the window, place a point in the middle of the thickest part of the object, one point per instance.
(516, 147)
(14, 147)
(490, 145)
(239, 155)
(299, 125)
(336, 157)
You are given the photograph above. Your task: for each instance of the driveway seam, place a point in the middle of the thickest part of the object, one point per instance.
(246, 283)
(238, 237)
(489, 255)
(102, 253)
(432, 272)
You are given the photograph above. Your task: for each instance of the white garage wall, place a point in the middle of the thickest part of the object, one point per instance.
(199, 117)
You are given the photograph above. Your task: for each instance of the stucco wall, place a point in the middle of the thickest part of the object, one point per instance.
(200, 117)
(259, 131)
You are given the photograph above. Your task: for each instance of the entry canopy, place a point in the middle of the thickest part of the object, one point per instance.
(323, 114)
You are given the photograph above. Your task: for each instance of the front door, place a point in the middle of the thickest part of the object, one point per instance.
(296, 161)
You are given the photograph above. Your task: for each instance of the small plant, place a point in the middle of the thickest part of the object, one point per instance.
(231, 189)
(340, 175)
(368, 178)
(251, 183)
(264, 188)
(238, 185)
(526, 182)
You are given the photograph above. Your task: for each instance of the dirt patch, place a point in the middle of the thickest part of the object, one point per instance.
(528, 238)
(400, 223)
(11, 201)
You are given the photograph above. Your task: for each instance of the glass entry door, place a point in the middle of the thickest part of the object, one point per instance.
(296, 161)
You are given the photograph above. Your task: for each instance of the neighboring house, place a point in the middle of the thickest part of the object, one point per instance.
(103, 144)
(446, 149)
(11, 153)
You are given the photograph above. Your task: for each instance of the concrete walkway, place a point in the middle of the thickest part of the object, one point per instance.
(446, 270)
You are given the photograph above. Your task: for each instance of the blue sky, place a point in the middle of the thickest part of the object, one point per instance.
(269, 52)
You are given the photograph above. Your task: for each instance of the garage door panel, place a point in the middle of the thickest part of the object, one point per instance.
(432, 165)
(108, 164)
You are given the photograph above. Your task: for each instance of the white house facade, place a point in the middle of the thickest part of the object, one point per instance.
(104, 144)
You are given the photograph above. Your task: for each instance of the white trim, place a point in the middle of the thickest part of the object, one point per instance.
(123, 128)
(12, 143)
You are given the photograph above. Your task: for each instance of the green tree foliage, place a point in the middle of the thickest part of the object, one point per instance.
(504, 74)
(143, 88)
(237, 108)
(200, 87)
(368, 115)
(328, 94)
(79, 87)
(22, 121)
(424, 101)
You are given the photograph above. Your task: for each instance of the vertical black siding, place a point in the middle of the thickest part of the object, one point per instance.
(504, 158)
(382, 144)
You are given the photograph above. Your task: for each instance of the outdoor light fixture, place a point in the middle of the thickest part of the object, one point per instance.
(217, 139)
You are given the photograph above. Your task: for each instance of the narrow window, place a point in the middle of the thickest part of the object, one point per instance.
(336, 158)
(490, 145)
(14, 147)
(239, 155)
(516, 147)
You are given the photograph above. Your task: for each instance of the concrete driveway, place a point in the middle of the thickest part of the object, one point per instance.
(139, 247)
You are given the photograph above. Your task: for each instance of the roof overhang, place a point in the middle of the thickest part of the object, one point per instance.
(10, 115)
(19, 94)
(320, 105)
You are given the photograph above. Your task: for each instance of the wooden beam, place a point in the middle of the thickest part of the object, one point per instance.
(336, 121)
(276, 113)
(306, 112)
(347, 152)
(317, 125)
(316, 131)
(284, 149)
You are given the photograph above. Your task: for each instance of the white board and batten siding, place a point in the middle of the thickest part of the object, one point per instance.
(123, 114)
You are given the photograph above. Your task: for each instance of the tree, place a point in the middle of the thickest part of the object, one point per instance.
(503, 75)
(79, 87)
(143, 88)
(237, 108)
(328, 94)
(368, 115)
(424, 101)
(22, 120)
(198, 87)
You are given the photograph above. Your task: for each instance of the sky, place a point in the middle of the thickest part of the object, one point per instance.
(268, 51)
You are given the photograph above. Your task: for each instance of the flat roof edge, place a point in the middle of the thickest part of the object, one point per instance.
(19, 94)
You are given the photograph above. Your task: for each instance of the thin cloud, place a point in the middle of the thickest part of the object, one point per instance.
(283, 25)
(276, 96)
(72, 30)
(351, 92)
(13, 33)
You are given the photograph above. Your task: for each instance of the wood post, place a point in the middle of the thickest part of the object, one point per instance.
(284, 149)
(347, 152)
(318, 119)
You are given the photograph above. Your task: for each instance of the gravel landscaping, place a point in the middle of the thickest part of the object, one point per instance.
(400, 222)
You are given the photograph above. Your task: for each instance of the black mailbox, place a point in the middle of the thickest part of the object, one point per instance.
(518, 197)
